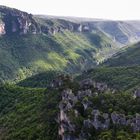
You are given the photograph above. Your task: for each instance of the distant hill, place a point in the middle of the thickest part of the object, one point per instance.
(121, 32)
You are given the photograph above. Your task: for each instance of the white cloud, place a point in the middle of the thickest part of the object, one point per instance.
(110, 9)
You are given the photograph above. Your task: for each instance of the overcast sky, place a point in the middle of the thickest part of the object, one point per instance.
(106, 9)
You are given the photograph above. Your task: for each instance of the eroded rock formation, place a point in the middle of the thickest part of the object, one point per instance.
(15, 21)
(75, 103)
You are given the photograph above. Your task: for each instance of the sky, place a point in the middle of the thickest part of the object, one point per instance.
(102, 9)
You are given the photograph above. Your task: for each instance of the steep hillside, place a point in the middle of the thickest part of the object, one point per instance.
(22, 56)
(126, 57)
(119, 78)
(121, 71)
(53, 44)
(122, 32)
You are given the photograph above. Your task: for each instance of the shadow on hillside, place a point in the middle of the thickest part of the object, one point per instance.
(17, 53)
(39, 80)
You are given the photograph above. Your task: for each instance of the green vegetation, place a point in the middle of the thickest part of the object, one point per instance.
(127, 57)
(40, 80)
(120, 78)
(122, 103)
(27, 113)
(27, 55)
(31, 113)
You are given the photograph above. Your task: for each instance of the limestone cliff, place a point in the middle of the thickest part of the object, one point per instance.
(15, 21)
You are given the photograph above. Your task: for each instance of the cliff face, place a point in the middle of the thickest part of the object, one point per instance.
(15, 21)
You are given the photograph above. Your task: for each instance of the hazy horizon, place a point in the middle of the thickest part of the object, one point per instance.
(97, 9)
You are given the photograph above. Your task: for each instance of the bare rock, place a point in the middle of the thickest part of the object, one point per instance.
(2, 29)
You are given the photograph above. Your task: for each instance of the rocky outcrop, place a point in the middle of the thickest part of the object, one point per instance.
(84, 27)
(103, 121)
(137, 93)
(66, 127)
(98, 121)
(89, 83)
(60, 81)
(18, 22)
(15, 21)
(77, 103)
(2, 29)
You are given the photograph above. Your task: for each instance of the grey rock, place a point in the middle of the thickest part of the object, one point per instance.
(137, 93)
(2, 29)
